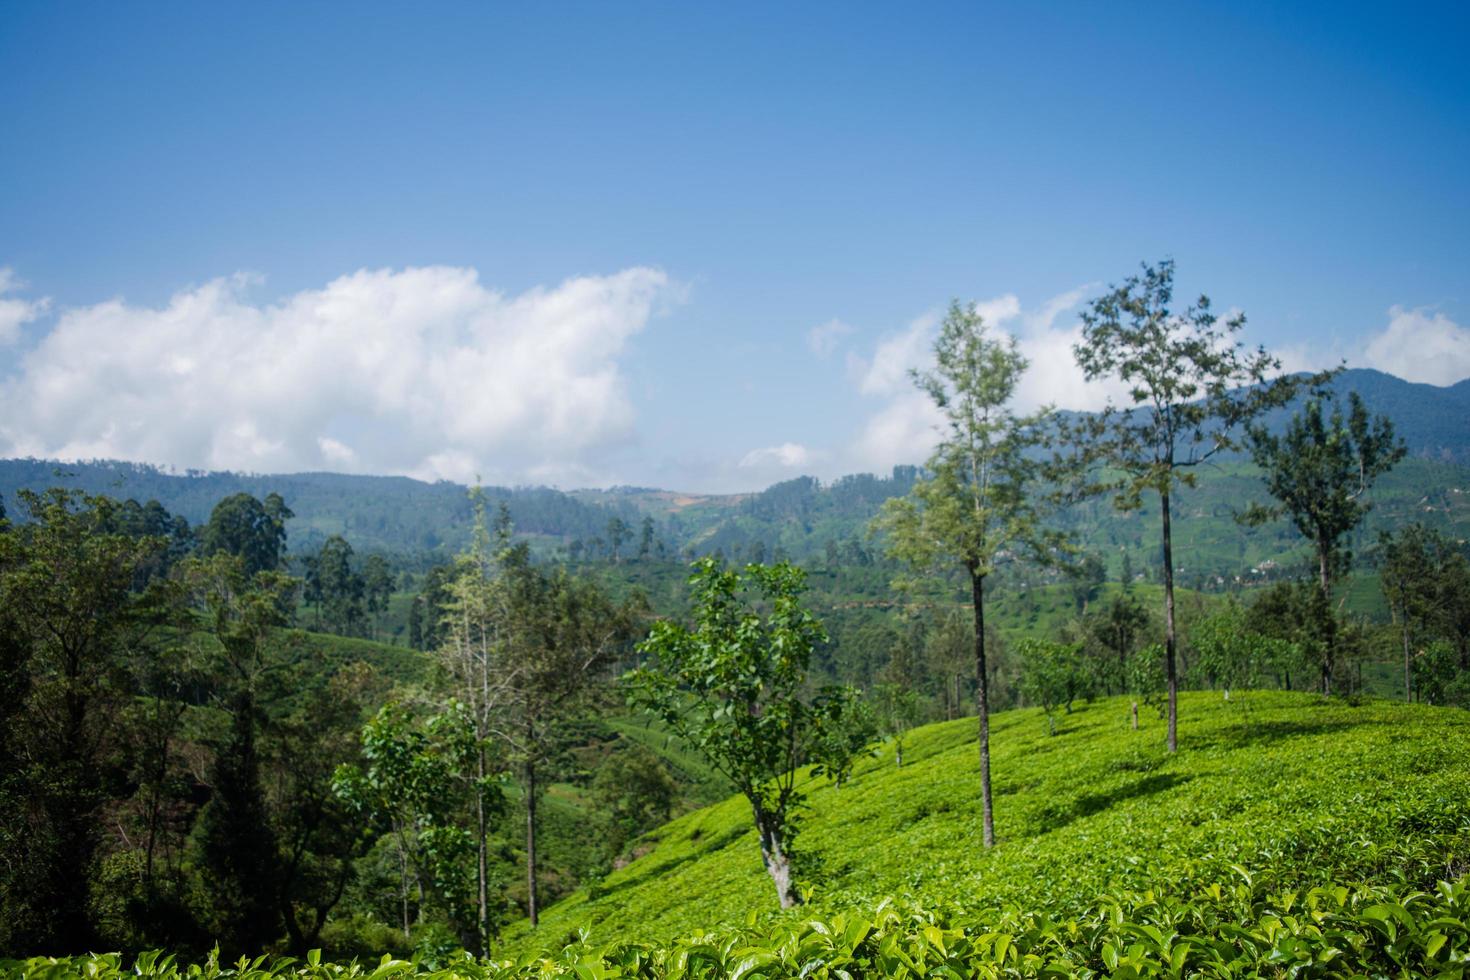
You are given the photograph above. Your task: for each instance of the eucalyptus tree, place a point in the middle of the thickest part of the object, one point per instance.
(522, 647)
(1408, 566)
(981, 492)
(735, 687)
(237, 847)
(1320, 470)
(1190, 385)
(251, 529)
(567, 633)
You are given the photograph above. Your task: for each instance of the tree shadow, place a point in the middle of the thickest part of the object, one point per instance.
(1247, 733)
(702, 847)
(1092, 803)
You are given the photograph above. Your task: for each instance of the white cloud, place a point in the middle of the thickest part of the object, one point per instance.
(824, 337)
(904, 429)
(14, 312)
(789, 455)
(895, 356)
(1420, 346)
(422, 371)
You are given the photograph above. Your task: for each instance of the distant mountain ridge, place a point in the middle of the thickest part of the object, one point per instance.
(400, 514)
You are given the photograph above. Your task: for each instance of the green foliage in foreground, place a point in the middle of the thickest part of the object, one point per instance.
(1234, 930)
(1303, 791)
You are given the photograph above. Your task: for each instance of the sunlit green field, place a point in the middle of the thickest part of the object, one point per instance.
(1298, 790)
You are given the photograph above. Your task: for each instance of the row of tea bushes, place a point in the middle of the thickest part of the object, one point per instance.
(1225, 930)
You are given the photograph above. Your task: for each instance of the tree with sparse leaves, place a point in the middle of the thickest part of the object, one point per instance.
(1320, 470)
(1190, 385)
(980, 495)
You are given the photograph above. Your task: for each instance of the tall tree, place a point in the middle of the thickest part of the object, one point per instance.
(566, 633)
(1190, 386)
(339, 587)
(735, 686)
(645, 537)
(980, 494)
(252, 530)
(377, 588)
(1320, 470)
(237, 846)
(70, 620)
(1408, 571)
(617, 534)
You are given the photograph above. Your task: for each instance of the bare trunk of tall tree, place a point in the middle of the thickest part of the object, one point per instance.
(1171, 668)
(1329, 640)
(1135, 716)
(402, 877)
(482, 864)
(531, 905)
(1408, 660)
(982, 701)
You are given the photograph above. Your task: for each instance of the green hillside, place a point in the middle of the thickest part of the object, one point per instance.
(1296, 790)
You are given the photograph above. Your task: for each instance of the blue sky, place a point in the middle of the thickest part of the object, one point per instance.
(628, 219)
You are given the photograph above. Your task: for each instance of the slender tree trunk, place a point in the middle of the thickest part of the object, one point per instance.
(482, 868)
(403, 883)
(1135, 716)
(1408, 673)
(1324, 576)
(982, 702)
(531, 905)
(1170, 666)
(773, 854)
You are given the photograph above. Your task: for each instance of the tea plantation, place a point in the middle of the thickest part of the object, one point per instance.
(1291, 836)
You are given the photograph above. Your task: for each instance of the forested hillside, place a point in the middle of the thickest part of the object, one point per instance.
(803, 518)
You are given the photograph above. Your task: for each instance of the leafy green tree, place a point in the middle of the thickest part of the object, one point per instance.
(1408, 573)
(522, 648)
(407, 785)
(566, 633)
(250, 529)
(847, 736)
(734, 687)
(377, 588)
(1320, 470)
(949, 652)
(634, 792)
(646, 538)
(1052, 675)
(339, 586)
(1230, 655)
(1113, 633)
(70, 621)
(898, 709)
(1426, 579)
(1146, 679)
(617, 535)
(981, 493)
(1190, 385)
(1085, 579)
(236, 844)
(320, 837)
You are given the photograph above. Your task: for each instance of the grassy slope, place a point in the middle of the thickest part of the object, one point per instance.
(1284, 784)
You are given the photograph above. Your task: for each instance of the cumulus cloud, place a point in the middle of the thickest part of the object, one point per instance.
(1418, 345)
(905, 426)
(824, 338)
(16, 312)
(788, 455)
(423, 371)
